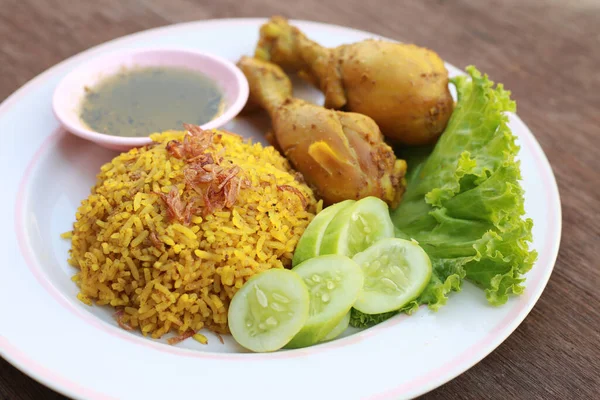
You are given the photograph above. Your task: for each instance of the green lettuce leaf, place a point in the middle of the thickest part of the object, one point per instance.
(361, 320)
(464, 202)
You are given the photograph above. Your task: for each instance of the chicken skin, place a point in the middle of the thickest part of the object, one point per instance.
(342, 155)
(403, 87)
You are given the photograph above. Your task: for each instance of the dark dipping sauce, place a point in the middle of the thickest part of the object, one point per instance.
(138, 102)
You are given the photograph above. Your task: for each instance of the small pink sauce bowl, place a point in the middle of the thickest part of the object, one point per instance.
(70, 92)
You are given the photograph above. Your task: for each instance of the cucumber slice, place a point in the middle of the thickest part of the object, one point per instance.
(355, 228)
(396, 272)
(339, 328)
(269, 310)
(310, 242)
(334, 283)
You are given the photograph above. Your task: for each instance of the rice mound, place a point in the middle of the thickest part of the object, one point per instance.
(167, 247)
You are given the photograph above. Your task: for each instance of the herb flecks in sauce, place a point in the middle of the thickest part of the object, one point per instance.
(138, 102)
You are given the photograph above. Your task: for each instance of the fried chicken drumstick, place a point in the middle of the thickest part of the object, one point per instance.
(403, 87)
(341, 154)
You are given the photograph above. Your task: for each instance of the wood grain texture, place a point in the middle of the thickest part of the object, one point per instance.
(546, 51)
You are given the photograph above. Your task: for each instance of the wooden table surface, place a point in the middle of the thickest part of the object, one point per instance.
(546, 51)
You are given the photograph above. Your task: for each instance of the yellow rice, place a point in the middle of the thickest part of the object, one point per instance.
(188, 284)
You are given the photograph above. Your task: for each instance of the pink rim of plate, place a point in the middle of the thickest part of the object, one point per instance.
(536, 280)
(69, 92)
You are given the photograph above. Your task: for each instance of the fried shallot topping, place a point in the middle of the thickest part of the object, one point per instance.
(195, 143)
(221, 338)
(175, 207)
(292, 189)
(155, 240)
(217, 185)
(175, 148)
(178, 339)
(119, 317)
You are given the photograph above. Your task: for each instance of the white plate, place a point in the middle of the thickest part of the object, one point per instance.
(81, 352)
